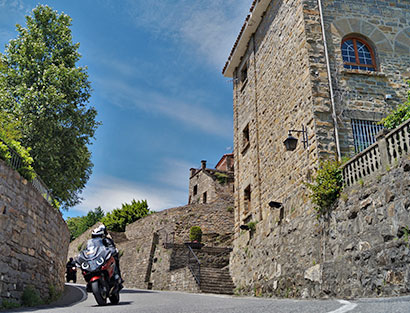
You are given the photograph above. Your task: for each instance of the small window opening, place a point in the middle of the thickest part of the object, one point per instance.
(247, 198)
(245, 137)
(195, 191)
(244, 73)
(204, 197)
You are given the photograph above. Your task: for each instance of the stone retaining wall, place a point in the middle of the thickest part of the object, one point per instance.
(33, 240)
(146, 237)
(361, 251)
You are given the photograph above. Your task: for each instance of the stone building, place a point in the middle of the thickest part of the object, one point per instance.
(329, 70)
(153, 249)
(207, 185)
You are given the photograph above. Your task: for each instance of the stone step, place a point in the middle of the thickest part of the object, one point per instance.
(228, 291)
(213, 287)
(216, 280)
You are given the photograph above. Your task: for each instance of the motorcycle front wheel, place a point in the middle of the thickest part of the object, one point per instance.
(99, 292)
(115, 298)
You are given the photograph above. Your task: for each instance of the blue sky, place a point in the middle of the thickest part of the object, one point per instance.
(155, 68)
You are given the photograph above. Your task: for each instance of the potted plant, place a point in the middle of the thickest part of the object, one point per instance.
(195, 236)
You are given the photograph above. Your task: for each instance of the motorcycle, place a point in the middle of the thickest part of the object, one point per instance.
(71, 274)
(98, 268)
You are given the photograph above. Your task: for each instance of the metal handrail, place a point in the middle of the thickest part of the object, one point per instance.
(195, 267)
(16, 162)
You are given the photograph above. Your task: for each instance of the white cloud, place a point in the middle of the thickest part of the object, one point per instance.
(111, 192)
(16, 5)
(194, 115)
(175, 173)
(208, 27)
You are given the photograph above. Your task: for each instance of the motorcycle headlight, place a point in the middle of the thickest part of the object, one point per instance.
(85, 265)
(100, 261)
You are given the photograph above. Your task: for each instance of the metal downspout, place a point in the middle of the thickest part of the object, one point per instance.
(332, 99)
(257, 129)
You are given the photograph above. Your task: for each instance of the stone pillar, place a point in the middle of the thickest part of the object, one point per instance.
(382, 143)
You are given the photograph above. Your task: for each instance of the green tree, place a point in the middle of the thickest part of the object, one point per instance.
(78, 225)
(42, 86)
(399, 115)
(129, 213)
(9, 127)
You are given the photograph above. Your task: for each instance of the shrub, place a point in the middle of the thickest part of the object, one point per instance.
(8, 305)
(118, 219)
(221, 178)
(53, 293)
(327, 187)
(252, 225)
(31, 297)
(399, 115)
(4, 152)
(26, 170)
(195, 234)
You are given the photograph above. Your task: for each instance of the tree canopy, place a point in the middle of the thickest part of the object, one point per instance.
(118, 219)
(78, 225)
(42, 88)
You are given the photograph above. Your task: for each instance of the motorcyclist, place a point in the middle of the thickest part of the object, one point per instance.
(71, 270)
(101, 232)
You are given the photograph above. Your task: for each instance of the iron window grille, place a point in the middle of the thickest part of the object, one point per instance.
(364, 133)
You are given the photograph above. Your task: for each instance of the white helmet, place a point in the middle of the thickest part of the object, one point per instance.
(100, 231)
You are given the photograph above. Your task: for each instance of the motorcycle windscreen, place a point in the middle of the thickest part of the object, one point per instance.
(94, 255)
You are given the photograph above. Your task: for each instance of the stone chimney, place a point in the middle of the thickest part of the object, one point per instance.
(203, 164)
(193, 171)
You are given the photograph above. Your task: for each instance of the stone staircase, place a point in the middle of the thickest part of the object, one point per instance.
(216, 280)
(215, 276)
(213, 269)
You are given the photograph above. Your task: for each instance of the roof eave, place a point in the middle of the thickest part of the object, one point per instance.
(250, 26)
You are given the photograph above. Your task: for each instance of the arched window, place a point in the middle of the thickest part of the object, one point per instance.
(357, 54)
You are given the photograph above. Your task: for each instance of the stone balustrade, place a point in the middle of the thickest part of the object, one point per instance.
(380, 156)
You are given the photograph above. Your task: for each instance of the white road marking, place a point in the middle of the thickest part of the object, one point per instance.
(348, 306)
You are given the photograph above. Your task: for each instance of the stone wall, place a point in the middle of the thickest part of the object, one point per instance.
(34, 239)
(361, 251)
(213, 183)
(145, 239)
(276, 96)
(282, 83)
(359, 94)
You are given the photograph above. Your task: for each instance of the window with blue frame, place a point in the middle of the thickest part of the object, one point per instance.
(358, 55)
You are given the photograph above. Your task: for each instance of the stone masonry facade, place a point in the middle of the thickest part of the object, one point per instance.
(34, 239)
(361, 251)
(281, 83)
(207, 185)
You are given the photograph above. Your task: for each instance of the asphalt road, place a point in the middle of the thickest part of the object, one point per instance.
(144, 301)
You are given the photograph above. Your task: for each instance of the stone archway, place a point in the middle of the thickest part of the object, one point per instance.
(346, 26)
(402, 42)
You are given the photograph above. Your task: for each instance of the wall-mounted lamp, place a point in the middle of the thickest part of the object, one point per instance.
(291, 142)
